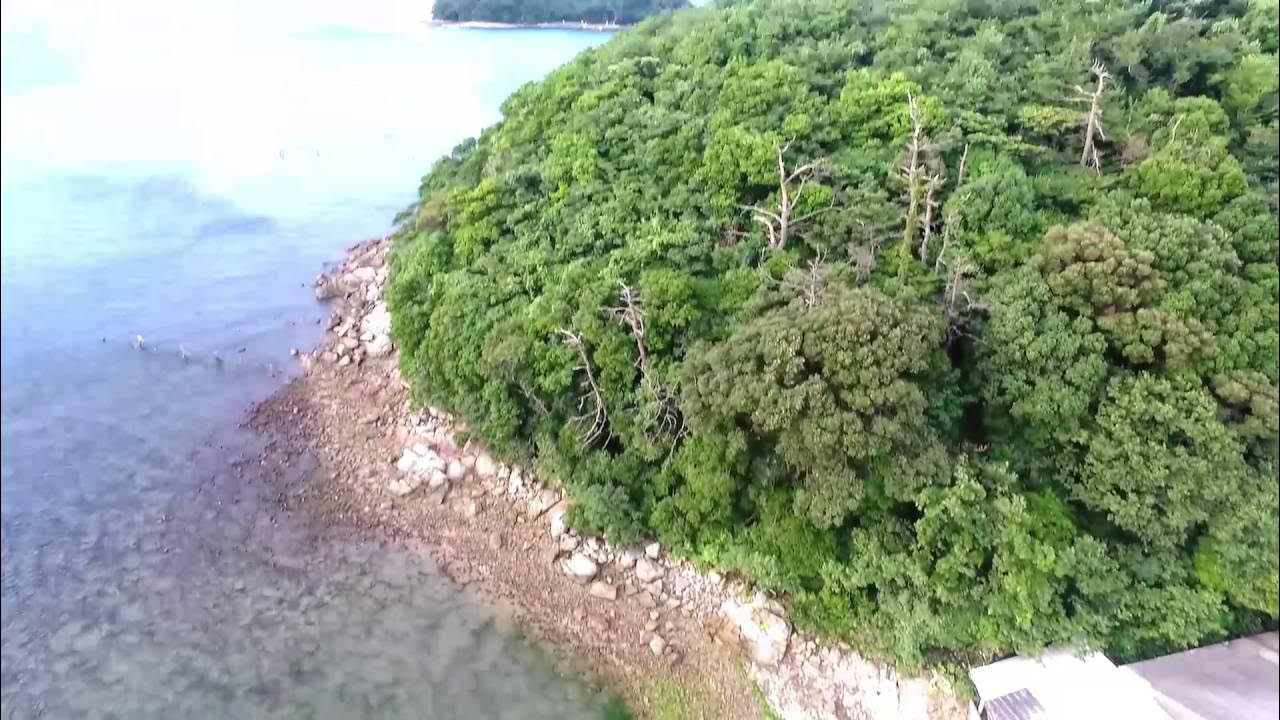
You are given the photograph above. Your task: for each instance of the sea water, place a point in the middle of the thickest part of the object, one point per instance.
(174, 175)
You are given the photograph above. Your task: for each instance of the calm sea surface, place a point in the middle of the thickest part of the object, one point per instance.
(180, 173)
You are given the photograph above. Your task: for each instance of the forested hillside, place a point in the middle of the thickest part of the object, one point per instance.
(620, 12)
(952, 321)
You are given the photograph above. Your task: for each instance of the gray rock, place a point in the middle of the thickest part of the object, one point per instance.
(378, 321)
(404, 485)
(603, 590)
(763, 632)
(437, 479)
(581, 567)
(515, 482)
(647, 570)
(657, 644)
(653, 550)
(456, 471)
(558, 527)
(379, 346)
(363, 275)
(485, 467)
(328, 289)
(544, 502)
(408, 461)
(568, 543)
(629, 557)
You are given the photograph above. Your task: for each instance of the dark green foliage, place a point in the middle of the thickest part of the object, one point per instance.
(946, 417)
(827, 389)
(622, 12)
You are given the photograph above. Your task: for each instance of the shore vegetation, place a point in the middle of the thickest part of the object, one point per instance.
(951, 322)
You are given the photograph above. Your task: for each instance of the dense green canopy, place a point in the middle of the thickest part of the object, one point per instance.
(622, 12)
(953, 321)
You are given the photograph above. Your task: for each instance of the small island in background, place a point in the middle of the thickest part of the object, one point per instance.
(576, 14)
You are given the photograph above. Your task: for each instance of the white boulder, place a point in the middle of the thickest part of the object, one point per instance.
(581, 567)
(648, 571)
(763, 632)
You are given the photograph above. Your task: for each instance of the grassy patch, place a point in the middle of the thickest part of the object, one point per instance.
(671, 700)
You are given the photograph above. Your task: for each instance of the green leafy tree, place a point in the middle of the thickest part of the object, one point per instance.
(1160, 462)
(826, 380)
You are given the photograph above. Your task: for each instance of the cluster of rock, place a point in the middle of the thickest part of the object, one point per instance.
(359, 322)
(801, 677)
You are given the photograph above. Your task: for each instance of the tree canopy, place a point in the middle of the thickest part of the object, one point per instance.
(954, 322)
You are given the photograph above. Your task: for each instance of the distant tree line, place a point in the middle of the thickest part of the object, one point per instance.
(618, 12)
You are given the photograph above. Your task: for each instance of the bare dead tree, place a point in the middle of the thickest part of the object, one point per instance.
(661, 411)
(864, 259)
(780, 222)
(660, 408)
(630, 314)
(952, 220)
(964, 160)
(931, 187)
(529, 394)
(958, 301)
(594, 420)
(912, 171)
(1093, 119)
(1173, 131)
(809, 283)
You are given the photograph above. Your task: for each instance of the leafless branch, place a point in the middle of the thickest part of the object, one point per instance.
(952, 220)
(964, 160)
(1093, 130)
(630, 314)
(912, 173)
(809, 284)
(661, 411)
(594, 419)
(1173, 132)
(781, 223)
(931, 187)
(660, 407)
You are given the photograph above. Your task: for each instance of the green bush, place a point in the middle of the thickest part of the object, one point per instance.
(824, 294)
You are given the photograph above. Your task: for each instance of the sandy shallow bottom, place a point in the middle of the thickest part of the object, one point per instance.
(352, 419)
(218, 599)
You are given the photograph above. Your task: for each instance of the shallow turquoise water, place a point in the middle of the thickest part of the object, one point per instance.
(181, 173)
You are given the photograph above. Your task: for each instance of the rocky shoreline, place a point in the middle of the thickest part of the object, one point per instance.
(634, 617)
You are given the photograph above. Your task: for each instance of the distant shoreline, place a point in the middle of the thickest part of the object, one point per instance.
(559, 25)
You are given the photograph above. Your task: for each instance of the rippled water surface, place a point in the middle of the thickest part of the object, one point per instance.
(180, 173)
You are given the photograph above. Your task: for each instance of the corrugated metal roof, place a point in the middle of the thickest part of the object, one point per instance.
(1017, 705)
(1066, 685)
